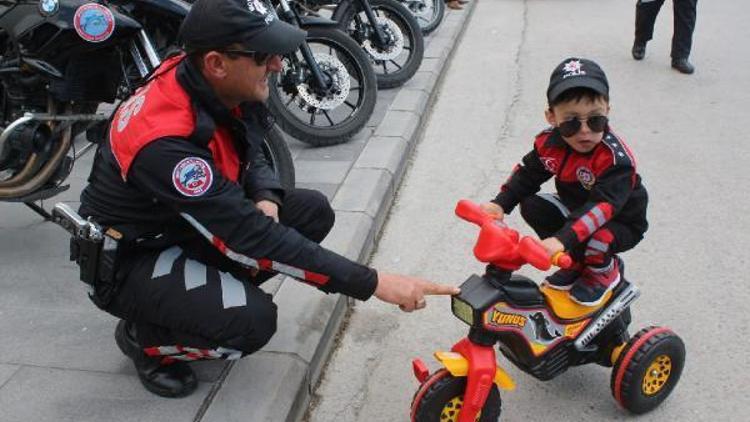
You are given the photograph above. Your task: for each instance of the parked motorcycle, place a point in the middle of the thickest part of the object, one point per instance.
(327, 89)
(59, 60)
(429, 13)
(386, 30)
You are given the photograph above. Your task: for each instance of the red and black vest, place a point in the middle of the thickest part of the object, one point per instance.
(161, 109)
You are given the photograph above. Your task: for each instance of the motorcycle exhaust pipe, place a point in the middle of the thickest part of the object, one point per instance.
(20, 187)
(32, 163)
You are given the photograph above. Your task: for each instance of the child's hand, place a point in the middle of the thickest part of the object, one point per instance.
(553, 245)
(493, 209)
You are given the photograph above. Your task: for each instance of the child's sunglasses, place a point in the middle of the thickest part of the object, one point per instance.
(572, 126)
(261, 59)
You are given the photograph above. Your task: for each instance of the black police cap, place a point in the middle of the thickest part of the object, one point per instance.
(575, 72)
(215, 24)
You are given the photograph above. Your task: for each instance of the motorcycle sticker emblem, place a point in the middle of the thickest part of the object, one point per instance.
(48, 7)
(94, 22)
(586, 177)
(192, 176)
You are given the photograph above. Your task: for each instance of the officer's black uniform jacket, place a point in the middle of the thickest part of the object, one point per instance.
(145, 203)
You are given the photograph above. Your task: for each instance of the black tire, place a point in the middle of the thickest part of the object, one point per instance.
(442, 398)
(409, 59)
(427, 21)
(647, 369)
(279, 157)
(339, 124)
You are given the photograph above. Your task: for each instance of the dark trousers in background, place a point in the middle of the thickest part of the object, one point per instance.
(188, 307)
(546, 214)
(684, 24)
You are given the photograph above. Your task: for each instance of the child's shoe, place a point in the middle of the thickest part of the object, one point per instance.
(594, 283)
(563, 279)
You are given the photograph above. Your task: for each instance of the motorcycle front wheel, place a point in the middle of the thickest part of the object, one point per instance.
(279, 157)
(441, 397)
(399, 59)
(331, 116)
(429, 13)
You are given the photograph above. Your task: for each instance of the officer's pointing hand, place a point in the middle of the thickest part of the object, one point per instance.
(409, 292)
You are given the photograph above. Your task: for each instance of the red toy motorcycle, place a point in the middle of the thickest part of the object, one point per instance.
(541, 331)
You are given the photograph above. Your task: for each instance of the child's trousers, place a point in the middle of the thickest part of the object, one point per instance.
(546, 214)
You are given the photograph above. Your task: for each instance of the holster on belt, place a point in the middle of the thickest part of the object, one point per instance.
(99, 262)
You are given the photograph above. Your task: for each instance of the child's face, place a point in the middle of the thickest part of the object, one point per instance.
(585, 139)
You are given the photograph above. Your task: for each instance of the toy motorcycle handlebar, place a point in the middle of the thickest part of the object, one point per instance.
(499, 243)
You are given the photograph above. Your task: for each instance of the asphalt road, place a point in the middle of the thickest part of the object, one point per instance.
(686, 132)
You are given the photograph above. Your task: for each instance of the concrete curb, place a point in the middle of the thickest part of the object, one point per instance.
(276, 383)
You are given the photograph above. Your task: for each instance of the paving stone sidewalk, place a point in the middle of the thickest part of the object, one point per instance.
(58, 360)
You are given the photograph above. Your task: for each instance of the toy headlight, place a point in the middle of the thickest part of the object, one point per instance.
(462, 310)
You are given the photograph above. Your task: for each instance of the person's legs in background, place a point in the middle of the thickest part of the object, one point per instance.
(682, 40)
(645, 17)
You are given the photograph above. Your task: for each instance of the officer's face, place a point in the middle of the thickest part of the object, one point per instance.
(250, 79)
(238, 78)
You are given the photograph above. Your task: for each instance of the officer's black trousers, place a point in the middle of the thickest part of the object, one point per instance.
(187, 304)
(684, 24)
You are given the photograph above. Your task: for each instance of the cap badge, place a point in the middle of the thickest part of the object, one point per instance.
(94, 22)
(573, 68)
(257, 6)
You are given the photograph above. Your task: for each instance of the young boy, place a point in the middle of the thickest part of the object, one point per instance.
(600, 205)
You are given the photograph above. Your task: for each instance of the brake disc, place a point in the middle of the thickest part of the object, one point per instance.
(340, 86)
(394, 48)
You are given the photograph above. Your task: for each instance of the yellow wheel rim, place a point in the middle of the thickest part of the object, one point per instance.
(452, 409)
(657, 375)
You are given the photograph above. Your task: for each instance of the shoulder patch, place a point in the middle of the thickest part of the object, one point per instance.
(192, 176)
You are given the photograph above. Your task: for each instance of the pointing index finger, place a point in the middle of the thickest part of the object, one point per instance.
(440, 289)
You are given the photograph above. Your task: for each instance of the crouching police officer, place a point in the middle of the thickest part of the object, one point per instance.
(203, 218)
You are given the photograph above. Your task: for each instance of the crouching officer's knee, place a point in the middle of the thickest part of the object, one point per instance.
(259, 330)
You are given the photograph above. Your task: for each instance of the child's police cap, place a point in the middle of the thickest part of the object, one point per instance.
(215, 24)
(575, 72)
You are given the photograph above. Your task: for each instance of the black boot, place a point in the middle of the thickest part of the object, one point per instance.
(173, 380)
(683, 66)
(639, 50)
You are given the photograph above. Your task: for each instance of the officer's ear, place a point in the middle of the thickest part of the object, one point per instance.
(215, 65)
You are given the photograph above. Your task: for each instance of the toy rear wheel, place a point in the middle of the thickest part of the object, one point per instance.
(648, 369)
(441, 396)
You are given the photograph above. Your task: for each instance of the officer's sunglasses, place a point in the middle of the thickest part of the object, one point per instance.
(261, 59)
(572, 126)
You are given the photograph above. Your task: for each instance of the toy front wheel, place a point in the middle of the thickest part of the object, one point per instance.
(441, 396)
(648, 369)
